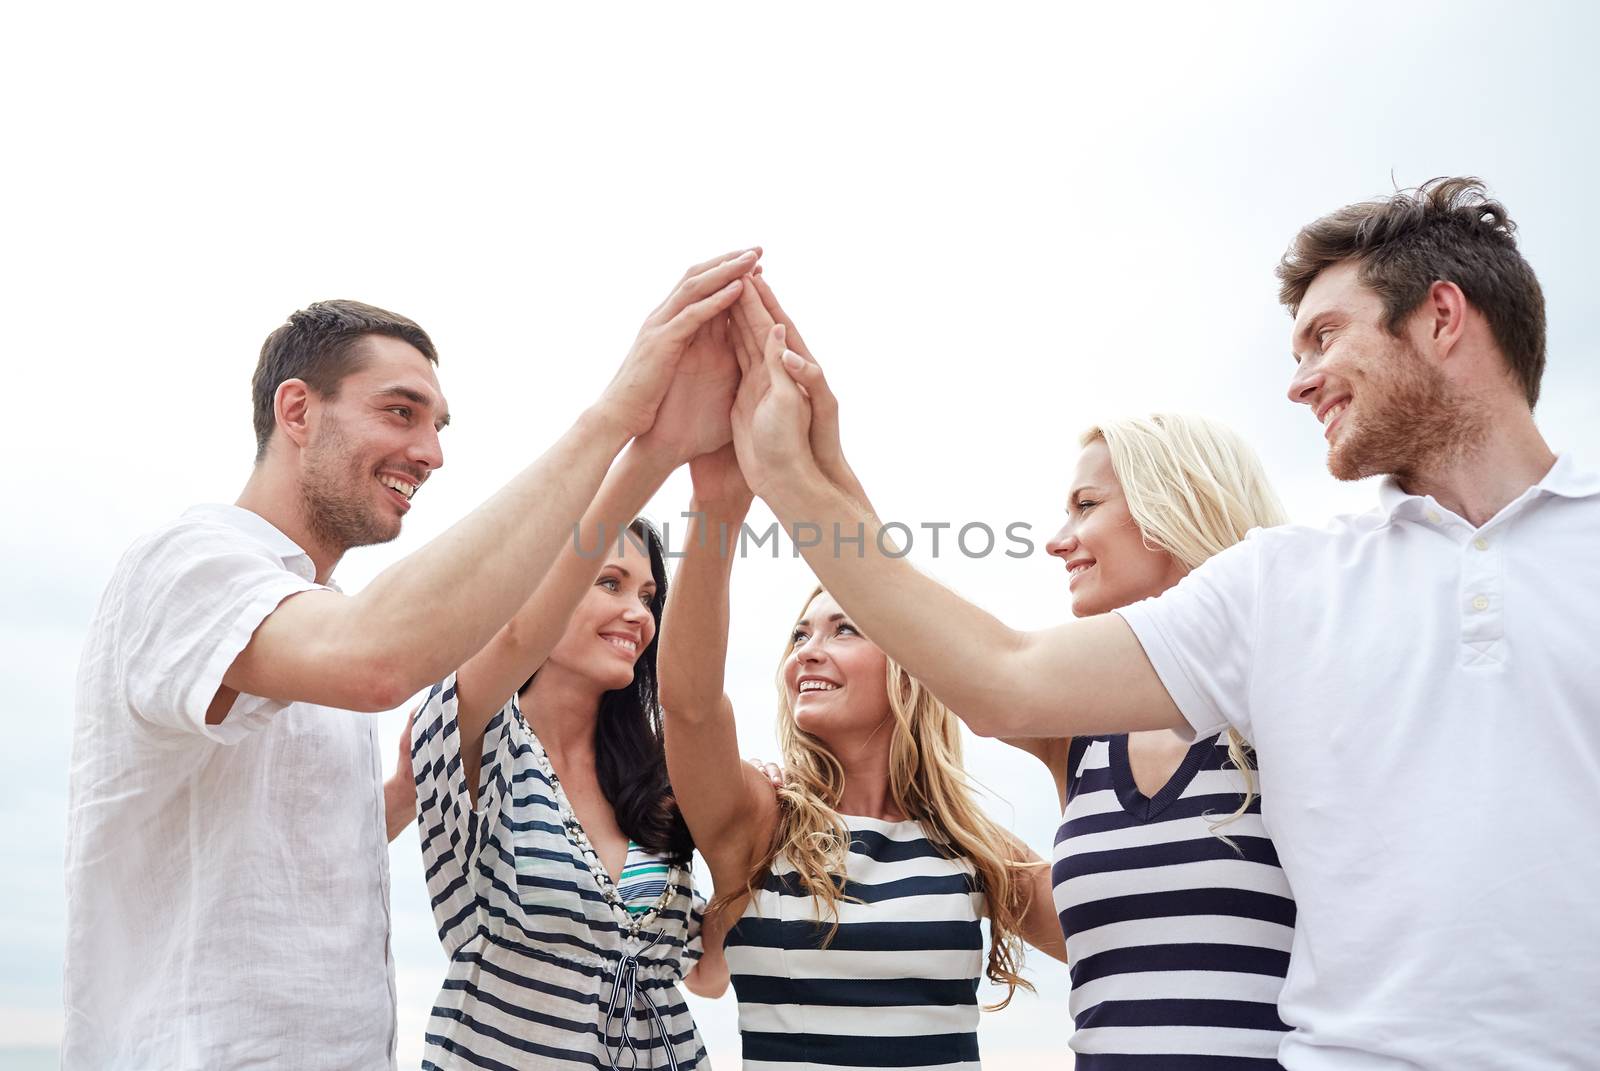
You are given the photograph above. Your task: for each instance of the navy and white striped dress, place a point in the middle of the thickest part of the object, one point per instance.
(1177, 942)
(898, 984)
(548, 965)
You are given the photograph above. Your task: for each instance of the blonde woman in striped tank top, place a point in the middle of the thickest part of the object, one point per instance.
(858, 888)
(1176, 912)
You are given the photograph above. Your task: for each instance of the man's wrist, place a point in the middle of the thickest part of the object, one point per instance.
(795, 490)
(599, 423)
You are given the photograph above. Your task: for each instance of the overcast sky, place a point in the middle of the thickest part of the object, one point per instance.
(995, 225)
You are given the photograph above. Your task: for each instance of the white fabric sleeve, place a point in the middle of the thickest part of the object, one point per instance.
(189, 600)
(1201, 638)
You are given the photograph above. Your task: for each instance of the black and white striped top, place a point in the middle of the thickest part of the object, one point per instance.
(548, 966)
(897, 986)
(1177, 942)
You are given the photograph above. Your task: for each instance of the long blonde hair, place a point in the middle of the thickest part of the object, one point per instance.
(927, 784)
(1194, 487)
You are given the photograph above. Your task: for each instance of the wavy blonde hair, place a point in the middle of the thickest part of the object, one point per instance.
(927, 784)
(1194, 487)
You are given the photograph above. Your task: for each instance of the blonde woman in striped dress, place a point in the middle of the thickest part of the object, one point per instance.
(860, 887)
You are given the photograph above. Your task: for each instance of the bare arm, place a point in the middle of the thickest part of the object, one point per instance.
(693, 419)
(1001, 681)
(729, 806)
(400, 791)
(1041, 927)
(423, 617)
(517, 651)
(709, 977)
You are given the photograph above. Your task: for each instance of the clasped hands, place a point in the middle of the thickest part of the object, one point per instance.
(746, 403)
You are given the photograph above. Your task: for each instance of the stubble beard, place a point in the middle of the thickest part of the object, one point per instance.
(338, 504)
(1409, 424)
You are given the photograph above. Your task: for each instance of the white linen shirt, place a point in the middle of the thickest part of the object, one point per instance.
(1424, 697)
(227, 885)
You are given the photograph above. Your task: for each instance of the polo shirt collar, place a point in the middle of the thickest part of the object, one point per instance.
(1565, 478)
(262, 531)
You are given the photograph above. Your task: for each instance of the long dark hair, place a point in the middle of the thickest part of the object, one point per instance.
(630, 760)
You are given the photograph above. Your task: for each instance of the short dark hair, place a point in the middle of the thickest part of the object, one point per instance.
(321, 344)
(1446, 229)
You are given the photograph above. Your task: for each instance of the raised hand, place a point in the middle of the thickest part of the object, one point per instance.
(772, 419)
(762, 294)
(706, 291)
(695, 416)
(752, 316)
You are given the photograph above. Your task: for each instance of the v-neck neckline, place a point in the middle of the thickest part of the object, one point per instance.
(1136, 803)
(578, 838)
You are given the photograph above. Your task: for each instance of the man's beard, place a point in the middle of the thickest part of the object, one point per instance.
(338, 502)
(1407, 423)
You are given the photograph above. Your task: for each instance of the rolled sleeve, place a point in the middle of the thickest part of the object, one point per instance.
(1200, 637)
(189, 604)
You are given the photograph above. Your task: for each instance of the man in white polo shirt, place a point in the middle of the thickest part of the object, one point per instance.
(227, 863)
(1417, 680)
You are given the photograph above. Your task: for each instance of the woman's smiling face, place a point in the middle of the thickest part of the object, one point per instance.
(612, 624)
(834, 676)
(1109, 564)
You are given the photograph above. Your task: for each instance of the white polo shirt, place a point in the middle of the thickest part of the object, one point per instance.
(1424, 697)
(227, 885)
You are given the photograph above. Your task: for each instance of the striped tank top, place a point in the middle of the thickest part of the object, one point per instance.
(644, 879)
(897, 986)
(1177, 941)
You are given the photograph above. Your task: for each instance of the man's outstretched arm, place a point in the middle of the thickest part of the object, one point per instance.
(1084, 677)
(424, 616)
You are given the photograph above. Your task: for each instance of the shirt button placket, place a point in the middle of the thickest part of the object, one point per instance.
(1483, 622)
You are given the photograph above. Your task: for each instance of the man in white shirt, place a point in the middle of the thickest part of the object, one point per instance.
(1416, 680)
(227, 864)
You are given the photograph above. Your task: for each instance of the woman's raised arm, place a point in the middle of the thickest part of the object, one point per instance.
(729, 806)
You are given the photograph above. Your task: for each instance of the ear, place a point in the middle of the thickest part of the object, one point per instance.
(1445, 311)
(291, 408)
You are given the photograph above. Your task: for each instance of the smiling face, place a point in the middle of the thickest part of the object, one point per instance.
(372, 445)
(1108, 561)
(835, 678)
(1383, 407)
(613, 624)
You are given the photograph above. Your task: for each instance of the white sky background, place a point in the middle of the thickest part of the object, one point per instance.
(994, 225)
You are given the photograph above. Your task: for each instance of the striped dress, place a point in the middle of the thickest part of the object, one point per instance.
(898, 984)
(1177, 942)
(551, 964)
